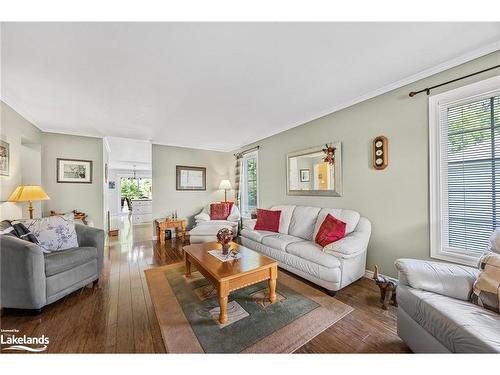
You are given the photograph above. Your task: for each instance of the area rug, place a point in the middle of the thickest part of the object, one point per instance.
(187, 312)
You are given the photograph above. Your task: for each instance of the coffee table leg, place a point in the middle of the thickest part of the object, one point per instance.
(223, 294)
(188, 267)
(272, 285)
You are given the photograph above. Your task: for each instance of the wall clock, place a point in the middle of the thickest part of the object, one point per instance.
(380, 152)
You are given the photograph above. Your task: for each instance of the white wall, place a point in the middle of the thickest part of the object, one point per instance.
(16, 130)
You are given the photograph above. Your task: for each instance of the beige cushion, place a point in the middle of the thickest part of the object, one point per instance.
(280, 241)
(303, 222)
(350, 217)
(285, 217)
(256, 235)
(486, 290)
(312, 252)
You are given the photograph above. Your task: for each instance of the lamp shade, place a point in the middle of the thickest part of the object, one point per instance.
(225, 185)
(25, 193)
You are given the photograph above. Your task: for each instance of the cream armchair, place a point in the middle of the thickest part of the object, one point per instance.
(205, 229)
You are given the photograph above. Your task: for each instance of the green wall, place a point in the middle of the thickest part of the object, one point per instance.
(219, 165)
(396, 200)
(68, 197)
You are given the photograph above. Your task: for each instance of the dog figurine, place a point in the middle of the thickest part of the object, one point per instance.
(387, 289)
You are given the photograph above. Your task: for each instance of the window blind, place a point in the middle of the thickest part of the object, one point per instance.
(469, 165)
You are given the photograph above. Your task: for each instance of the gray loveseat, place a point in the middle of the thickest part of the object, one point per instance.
(31, 279)
(434, 312)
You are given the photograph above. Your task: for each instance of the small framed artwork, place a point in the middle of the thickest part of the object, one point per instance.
(191, 178)
(112, 184)
(4, 158)
(74, 171)
(305, 175)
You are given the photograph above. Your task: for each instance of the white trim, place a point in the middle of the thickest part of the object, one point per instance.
(474, 91)
(368, 274)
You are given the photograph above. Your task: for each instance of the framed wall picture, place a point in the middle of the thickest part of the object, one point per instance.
(305, 175)
(74, 171)
(4, 158)
(191, 178)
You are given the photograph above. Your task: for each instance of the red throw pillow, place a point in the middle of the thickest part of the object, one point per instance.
(268, 220)
(219, 211)
(331, 230)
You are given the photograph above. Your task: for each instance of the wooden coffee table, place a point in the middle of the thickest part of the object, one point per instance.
(235, 274)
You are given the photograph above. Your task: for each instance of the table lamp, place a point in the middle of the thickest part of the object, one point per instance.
(225, 185)
(28, 193)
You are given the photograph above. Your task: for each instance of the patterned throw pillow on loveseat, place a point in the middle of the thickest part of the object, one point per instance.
(54, 233)
(486, 290)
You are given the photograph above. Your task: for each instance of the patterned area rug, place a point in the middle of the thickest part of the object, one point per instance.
(187, 311)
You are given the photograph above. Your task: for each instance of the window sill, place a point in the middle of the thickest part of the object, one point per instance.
(456, 258)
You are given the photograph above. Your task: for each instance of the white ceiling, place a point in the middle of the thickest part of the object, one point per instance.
(216, 85)
(126, 153)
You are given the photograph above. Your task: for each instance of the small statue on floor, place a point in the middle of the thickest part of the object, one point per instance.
(387, 289)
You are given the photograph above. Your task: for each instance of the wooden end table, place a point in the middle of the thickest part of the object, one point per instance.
(178, 224)
(235, 274)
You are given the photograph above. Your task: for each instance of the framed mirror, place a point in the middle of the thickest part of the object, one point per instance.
(308, 174)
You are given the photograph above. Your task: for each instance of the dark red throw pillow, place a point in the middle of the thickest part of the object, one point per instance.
(331, 230)
(219, 211)
(268, 220)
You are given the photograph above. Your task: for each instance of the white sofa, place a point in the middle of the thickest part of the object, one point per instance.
(434, 312)
(332, 267)
(205, 229)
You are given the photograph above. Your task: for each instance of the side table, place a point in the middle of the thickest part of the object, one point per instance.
(178, 224)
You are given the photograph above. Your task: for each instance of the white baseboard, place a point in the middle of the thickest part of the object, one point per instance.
(369, 274)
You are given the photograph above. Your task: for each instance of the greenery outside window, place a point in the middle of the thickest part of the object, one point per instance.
(249, 184)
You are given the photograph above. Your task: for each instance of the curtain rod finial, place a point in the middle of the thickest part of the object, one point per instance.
(412, 94)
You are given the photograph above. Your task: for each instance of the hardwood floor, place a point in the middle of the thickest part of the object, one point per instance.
(117, 315)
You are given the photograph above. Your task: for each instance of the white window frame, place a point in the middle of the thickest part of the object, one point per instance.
(243, 182)
(476, 91)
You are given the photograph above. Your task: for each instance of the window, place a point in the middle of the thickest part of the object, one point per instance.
(464, 164)
(249, 184)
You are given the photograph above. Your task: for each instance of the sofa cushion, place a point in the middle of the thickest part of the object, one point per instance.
(210, 229)
(55, 233)
(268, 220)
(280, 241)
(303, 222)
(60, 261)
(256, 235)
(486, 290)
(350, 217)
(460, 326)
(331, 230)
(311, 251)
(285, 218)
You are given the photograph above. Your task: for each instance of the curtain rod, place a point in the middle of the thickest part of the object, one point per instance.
(428, 89)
(246, 151)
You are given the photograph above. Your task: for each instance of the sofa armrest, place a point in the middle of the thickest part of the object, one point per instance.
(23, 277)
(354, 243)
(89, 236)
(447, 279)
(249, 223)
